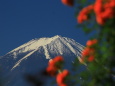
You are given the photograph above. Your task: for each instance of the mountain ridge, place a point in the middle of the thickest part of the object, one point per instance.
(43, 42)
(36, 53)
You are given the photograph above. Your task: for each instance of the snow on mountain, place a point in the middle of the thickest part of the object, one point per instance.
(36, 43)
(54, 44)
(27, 56)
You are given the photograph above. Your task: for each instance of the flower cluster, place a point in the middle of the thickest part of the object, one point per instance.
(104, 9)
(68, 2)
(54, 64)
(89, 52)
(61, 77)
(83, 15)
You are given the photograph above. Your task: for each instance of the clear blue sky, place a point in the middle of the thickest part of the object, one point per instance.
(23, 20)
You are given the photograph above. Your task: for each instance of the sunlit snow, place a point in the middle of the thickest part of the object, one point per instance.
(56, 44)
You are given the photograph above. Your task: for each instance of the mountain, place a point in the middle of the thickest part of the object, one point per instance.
(34, 55)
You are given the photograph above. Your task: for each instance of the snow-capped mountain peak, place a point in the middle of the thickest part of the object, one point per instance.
(35, 54)
(35, 44)
(55, 45)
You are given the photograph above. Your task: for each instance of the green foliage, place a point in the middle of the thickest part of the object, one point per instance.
(100, 72)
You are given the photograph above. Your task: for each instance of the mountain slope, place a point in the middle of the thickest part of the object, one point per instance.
(34, 55)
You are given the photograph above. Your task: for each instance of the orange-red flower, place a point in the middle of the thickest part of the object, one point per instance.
(98, 7)
(83, 15)
(51, 70)
(58, 59)
(91, 42)
(100, 20)
(103, 9)
(87, 51)
(61, 78)
(108, 13)
(112, 3)
(68, 2)
(91, 58)
(53, 66)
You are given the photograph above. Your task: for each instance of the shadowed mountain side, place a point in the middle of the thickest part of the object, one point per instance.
(34, 55)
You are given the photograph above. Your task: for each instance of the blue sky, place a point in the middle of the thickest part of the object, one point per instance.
(23, 20)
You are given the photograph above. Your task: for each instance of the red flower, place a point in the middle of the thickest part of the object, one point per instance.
(65, 72)
(103, 10)
(51, 70)
(91, 42)
(112, 3)
(108, 13)
(83, 15)
(52, 65)
(51, 62)
(87, 51)
(98, 7)
(100, 20)
(68, 2)
(58, 59)
(61, 77)
(91, 58)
